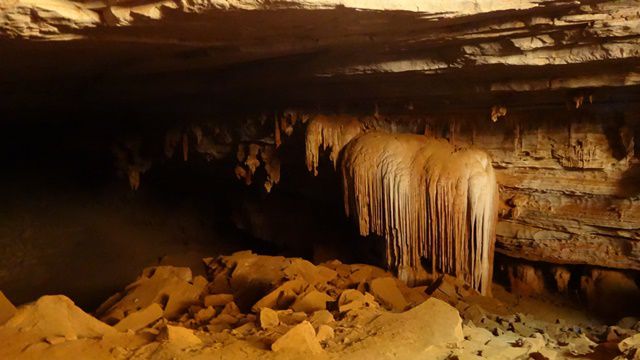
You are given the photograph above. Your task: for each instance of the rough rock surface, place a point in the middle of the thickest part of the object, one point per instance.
(455, 322)
(424, 38)
(52, 316)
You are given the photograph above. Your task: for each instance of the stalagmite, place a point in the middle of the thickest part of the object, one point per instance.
(426, 198)
(329, 132)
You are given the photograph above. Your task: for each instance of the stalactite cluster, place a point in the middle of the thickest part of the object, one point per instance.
(329, 132)
(130, 162)
(428, 199)
(250, 157)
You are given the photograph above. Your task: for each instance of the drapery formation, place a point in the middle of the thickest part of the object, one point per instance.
(426, 198)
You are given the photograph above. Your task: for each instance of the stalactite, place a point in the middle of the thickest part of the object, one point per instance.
(425, 197)
(252, 161)
(329, 133)
(171, 141)
(243, 174)
(271, 167)
(277, 135)
(130, 162)
(185, 146)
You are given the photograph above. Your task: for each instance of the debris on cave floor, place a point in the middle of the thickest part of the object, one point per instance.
(250, 306)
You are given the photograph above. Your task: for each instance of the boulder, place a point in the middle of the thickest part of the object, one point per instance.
(268, 319)
(180, 337)
(387, 293)
(351, 299)
(325, 332)
(311, 301)
(321, 317)
(52, 316)
(140, 319)
(217, 300)
(299, 339)
(161, 285)
(282, 297)
(311, 274)
(204, 315)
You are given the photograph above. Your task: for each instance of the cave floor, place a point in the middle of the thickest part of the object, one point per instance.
(248, 306)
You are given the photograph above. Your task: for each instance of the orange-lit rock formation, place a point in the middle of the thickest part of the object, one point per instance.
(426, 198)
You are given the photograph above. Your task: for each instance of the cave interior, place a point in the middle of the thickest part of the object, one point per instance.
(220, 179)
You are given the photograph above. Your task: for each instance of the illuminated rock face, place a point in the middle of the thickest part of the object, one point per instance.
(428, 199)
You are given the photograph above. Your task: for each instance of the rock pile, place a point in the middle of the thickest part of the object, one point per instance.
(250, 306)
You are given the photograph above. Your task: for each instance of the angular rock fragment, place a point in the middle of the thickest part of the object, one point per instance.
(387, 293)
(290, 317)
(180, 337)
(299, 339)
(165, 285)
(325, 332)
(281, 297)
(140, 319)
(353, 299)
(205, 314)
(311, 301)
(268, 319)
(7, 309)
(311, 274)
(217, 300)
(321, 317)
(52, 316)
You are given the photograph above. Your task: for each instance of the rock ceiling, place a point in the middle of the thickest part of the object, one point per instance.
(332, 49)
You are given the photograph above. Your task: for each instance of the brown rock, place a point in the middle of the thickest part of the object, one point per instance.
(251, 270)
(268, 319)
(52, 316)
(311, 301)
(231, 309)
(281, 297)
(525, 280)
(217, 300)
(140, 319)
(299, 339)
(310, 273)
(325, 332)
(387, 293)
(351, 299)
(180, 337)
(7, 310)
(158, 284)
(562, 276)
(610, 292)
(360, 275)
(321, 317)
(205, 314)
(290, 317)
(226, 318)
(414, 295)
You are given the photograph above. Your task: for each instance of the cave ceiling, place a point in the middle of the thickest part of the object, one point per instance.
(431, 53)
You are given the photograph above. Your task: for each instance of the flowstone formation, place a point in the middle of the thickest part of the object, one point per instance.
(428, 199)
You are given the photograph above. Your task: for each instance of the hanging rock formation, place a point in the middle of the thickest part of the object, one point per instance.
(329, 133)
(426, 198)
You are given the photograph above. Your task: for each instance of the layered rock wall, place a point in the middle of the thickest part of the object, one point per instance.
(568, 183)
